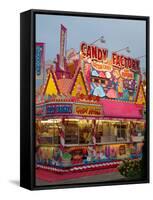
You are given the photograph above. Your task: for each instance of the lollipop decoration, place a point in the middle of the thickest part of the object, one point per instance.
(107, 151)
(62, 139)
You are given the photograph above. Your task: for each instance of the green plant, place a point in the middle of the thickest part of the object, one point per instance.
(131, 168)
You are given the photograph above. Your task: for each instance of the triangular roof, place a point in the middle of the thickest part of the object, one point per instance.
(65, 86)
(78, 84)
(141, 99)
(51, 87)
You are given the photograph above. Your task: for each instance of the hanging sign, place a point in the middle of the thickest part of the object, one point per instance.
(87, 110)
(59, 109)
(127, 74)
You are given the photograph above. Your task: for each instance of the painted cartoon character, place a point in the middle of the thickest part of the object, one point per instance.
(113, 152)
(125, 94)
(56, 157)
(107, 151)
(112, 92)
(102, 155)
(132, 86)
(99, 91)
(91, 154)
(89, 157)
(92, 86)
(120, 87)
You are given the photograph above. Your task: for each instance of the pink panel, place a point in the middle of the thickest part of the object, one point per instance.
(122, 109)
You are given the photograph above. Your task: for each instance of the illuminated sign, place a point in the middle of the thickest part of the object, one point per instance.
(58, 109)
(83, 97)
(127, 74)
(114, 78)
(93, 52)
(102, 67)
(99, 57)
(87, 110)
(121, 61)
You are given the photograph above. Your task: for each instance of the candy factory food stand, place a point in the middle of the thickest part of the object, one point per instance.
(78, 131)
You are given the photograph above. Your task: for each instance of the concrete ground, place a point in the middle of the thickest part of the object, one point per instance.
(88, 179)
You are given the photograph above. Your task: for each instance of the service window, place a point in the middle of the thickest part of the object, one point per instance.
(50, 132)
(71, 132)
(122, 131)
(106, 129)
(99, 131)
(85, 132)
(110, 131)
(56, 137)
(139, 128)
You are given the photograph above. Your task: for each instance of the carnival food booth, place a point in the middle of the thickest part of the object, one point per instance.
(93, 117)
(87, 132)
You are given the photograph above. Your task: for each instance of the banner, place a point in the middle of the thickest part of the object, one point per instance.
(40, 64)
(63, 35)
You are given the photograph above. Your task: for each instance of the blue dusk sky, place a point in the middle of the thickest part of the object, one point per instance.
(118, 33)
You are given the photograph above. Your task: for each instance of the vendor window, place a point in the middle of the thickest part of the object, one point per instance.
(99, 131)
(49, 132)
(85, 132)
(105, 132)
(71, 132)
(139, 129)
(122, 129)
(109, 132)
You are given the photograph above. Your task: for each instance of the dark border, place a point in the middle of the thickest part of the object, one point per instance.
(32, 177)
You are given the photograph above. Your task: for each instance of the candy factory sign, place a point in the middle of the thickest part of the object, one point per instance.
(121, 61)
(93, 52)
(99, 58)
(87, 110)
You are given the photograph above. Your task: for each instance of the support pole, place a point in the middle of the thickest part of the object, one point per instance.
(94, 136)
(62, 139)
